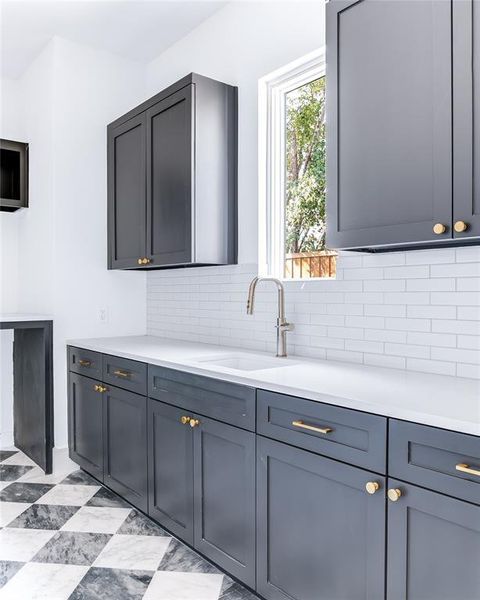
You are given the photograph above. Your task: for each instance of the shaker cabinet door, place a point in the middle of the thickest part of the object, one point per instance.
(170, 469)
(466, 118)
(125, 445)
(433, 546)
(224, 492)
(170, 179)
(320, 535)
(85, 424)
(126, 193)
(389, 123)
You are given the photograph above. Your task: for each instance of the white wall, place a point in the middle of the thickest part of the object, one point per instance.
(407, 310)
(70, 93)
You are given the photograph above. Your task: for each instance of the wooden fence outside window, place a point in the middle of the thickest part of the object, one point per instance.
(306, 265)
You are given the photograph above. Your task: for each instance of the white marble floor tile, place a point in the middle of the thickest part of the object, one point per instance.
(169, 585)
(11, 510)
(39, 581)
(97, 520)
(36, 475)
(22, 544)
(19, 459)
(137, 552)
(69, 495)
(3, 484)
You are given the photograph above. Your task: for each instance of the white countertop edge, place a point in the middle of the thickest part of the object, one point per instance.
(21, 318)
(452, 423)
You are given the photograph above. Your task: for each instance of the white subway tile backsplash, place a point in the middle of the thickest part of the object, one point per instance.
(415, 310)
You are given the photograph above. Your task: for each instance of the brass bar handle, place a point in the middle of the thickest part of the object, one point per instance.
(303, 425)
(84, 363)
(466, 469)
(120, 373)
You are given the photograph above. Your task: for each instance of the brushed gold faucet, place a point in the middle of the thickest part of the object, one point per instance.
(282, 325)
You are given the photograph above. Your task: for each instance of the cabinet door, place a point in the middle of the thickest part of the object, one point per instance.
(466, 116)
(85, 430)
(224, 492)
(433, 546)
(170, 468)
(389, 122)
(320, 535)
(125, 445)
(170, 179)
(126, 193)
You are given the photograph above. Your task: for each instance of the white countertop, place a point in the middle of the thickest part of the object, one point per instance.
(21, 317)
(437, 400)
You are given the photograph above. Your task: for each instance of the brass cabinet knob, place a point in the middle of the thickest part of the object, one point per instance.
(140, 261)
(460, 226)
(372, 486)
(184, 419)
(97, 388)
(147, 261)
(439, 228)
(194, 422)
(394, 494)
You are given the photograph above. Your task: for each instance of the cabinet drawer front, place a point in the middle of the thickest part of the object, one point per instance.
(221, 400)
(442, 460)
(85, 362)
(354, 437)
(128, 374)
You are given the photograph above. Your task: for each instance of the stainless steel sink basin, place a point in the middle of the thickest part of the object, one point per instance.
(247, 363)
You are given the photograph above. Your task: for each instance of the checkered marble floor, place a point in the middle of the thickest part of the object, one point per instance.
(67, 537)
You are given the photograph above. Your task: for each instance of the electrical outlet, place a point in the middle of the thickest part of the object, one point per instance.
(103, 315)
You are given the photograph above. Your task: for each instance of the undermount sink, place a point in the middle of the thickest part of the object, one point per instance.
(247, 363)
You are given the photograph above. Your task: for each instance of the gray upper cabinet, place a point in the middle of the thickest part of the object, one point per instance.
(433, 546)
(172, 178)
(320, 535)
(466, 118)
(391, 136)
(127, 193)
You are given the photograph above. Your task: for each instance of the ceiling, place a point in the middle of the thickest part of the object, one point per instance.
(135, 29)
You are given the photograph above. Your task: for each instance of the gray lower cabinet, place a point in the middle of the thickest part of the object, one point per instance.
(224, 497)
(433, 546)
(85, 424)
(170, 469)
(320, 535)
(125, 444)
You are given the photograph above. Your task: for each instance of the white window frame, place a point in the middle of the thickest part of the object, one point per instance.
(271, 146)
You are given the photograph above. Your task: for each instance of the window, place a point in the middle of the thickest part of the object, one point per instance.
(292, 168)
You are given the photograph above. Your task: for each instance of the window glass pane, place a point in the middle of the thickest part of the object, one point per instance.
(305, 252)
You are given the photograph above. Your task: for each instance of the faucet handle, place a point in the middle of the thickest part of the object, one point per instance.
(285, 326)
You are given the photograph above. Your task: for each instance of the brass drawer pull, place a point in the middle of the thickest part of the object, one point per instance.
(303, 425)
(466, 469)
(84, 363)
(124, 374)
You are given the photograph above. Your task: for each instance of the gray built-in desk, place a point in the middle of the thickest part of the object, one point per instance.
(32, 385)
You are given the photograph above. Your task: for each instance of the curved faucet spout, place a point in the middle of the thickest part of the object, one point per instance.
(282, 325)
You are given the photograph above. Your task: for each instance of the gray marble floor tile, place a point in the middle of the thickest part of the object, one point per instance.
(179, 557)
(4, 454)
(13, 472)
(72, 548)
(138, 524)
(8, 568)
(79, 478)
(231, 590)
(24, 492)
(44, 516)
(106, 498)
(112, 584)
